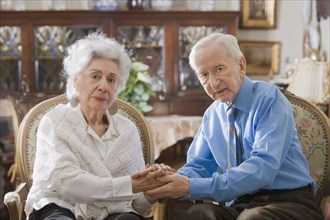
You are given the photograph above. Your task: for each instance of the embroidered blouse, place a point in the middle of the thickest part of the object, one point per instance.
(76, 169)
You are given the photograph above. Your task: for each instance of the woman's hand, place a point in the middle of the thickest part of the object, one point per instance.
(165, 169)
(147, 179)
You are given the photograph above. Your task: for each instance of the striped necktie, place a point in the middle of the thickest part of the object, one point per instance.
(234, 144)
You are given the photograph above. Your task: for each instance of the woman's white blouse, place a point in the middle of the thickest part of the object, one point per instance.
(76, 169)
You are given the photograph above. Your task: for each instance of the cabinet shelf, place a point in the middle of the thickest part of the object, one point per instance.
(169, 37)
(4, 58)
(144, 47)
(49, 58)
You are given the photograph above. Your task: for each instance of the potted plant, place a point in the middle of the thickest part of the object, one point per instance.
(138, 88)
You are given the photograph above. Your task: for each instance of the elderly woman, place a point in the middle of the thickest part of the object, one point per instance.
(89, 160)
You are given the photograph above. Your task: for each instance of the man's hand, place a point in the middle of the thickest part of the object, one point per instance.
(166, 170)
(174, 186)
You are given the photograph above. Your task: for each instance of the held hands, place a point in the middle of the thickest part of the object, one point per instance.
(147, 179)
(174, 186)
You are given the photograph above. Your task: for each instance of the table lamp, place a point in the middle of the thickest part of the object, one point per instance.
(311, 80)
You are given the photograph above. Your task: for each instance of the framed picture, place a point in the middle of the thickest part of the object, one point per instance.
(261, 57)
(258, 14)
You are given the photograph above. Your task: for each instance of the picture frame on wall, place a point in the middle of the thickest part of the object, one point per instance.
(261, 57)
(258, 14)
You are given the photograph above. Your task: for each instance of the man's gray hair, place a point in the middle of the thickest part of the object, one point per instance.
(94, 45)
(227, 41)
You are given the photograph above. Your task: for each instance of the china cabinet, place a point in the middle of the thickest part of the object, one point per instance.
(34, 42)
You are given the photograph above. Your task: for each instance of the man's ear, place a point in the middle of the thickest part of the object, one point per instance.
(242, 66)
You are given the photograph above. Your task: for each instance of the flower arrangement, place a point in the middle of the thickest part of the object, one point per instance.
(138, 88)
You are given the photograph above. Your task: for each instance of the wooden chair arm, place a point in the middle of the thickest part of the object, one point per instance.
(14, 199)
(164, 209)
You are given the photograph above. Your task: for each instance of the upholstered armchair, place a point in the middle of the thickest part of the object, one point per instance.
(26, 142)
(313, 128)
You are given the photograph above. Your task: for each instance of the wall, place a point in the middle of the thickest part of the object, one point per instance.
(289, 31)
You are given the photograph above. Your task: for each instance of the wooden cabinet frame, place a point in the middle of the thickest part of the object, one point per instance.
(175, 100)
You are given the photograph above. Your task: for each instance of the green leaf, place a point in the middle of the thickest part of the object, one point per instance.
(138, 88)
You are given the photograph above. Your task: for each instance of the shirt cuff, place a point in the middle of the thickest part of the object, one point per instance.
(122, 186)
(142, 205)
(150, 199)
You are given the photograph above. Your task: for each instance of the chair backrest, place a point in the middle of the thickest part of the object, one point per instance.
(26, 139)
(313, 129)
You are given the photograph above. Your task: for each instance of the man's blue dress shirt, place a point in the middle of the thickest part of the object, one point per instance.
(272, 157)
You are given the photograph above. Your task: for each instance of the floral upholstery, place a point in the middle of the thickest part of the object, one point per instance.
(314, 134)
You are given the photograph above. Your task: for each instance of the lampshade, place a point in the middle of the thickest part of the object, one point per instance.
(311, 81)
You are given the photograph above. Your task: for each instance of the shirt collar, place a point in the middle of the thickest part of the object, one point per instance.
(112, 128)
(111, 132)
(244, 97)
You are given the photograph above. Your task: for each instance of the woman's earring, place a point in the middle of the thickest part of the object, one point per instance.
(74, 101)
(113, 108)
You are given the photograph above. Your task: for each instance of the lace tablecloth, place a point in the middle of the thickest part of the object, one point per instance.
(168, 130)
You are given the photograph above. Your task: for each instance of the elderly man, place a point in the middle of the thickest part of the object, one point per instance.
(246, 152)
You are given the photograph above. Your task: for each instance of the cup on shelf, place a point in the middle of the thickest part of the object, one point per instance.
(135, 4)
(105, 5)
(162, 5)
(58, 5)
(6, 4)
(200, 5)
(19, 5)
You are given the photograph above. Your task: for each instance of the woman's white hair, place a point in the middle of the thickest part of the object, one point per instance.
(94, 45)
(227, 41)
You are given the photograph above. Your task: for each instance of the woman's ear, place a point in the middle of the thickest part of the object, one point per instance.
(75, 83)
(74, 101)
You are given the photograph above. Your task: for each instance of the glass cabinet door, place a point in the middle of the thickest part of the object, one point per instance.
(51, 43)
(188, 36)
(10, 57)
(146, 44)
